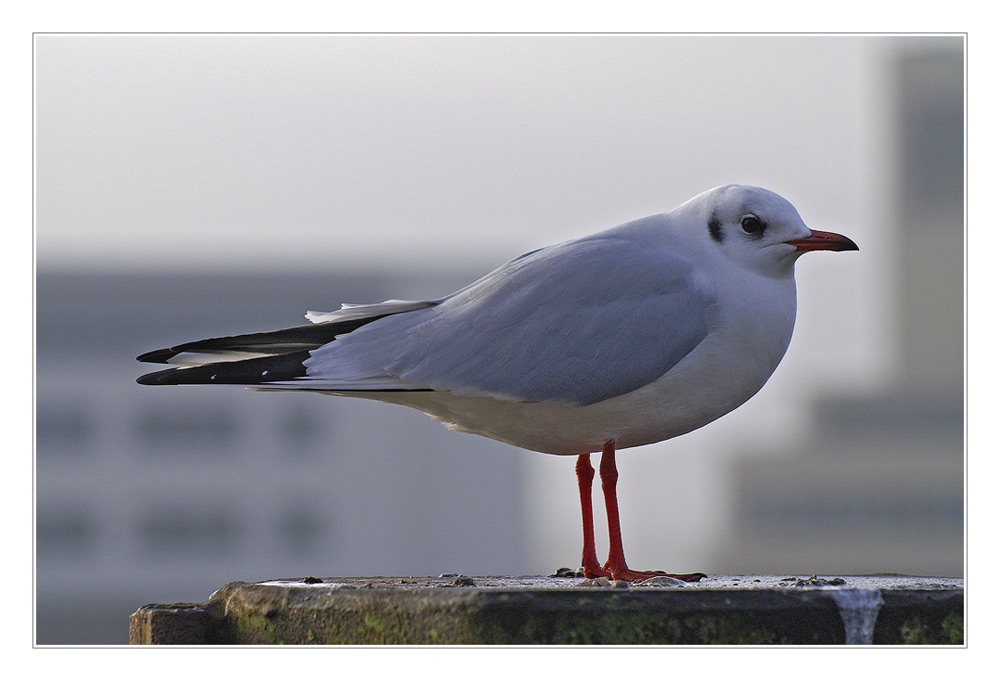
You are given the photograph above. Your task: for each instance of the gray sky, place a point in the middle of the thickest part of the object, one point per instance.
(323, 151)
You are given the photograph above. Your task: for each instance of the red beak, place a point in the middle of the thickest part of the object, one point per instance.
(823, 241)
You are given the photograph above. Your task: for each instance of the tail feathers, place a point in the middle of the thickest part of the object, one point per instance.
(256, 371)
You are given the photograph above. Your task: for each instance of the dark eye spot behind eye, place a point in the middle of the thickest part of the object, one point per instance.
(715, 228)
(752, 225)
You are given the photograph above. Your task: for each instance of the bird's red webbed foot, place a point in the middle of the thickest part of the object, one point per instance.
(615, 567)
(626, 574)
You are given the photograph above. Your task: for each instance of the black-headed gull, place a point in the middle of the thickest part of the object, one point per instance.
(633, 335)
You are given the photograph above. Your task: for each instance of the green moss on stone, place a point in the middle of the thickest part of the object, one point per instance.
(953, 627)
(268, 614)
(950, 630)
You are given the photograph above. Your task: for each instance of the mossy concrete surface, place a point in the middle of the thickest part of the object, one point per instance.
(459, 610)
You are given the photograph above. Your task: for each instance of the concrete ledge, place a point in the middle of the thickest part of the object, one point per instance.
(459, 610)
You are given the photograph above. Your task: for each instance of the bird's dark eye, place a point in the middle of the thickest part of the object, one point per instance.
(751, 224)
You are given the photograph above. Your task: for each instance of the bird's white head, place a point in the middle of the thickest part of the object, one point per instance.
(760, 230)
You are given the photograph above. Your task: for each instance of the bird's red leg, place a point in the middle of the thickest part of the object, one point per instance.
(585, 477)
(616, 567)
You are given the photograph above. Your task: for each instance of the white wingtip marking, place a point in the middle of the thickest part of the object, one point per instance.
(349, 311)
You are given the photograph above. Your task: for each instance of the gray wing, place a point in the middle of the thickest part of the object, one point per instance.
(575, 323)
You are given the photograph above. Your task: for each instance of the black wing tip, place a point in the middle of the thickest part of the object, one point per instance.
(279, 342)
(250, 372)
(156, 378)
(157, 356)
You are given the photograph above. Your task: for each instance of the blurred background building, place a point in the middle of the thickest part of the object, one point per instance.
(882, 478)
(156, 495)
(162, 164)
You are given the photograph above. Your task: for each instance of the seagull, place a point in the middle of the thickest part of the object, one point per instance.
(633, 335)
